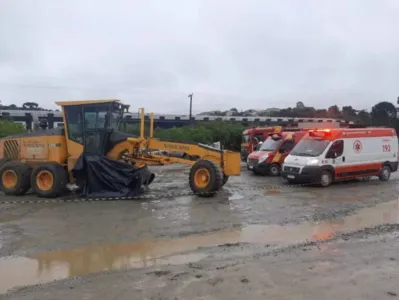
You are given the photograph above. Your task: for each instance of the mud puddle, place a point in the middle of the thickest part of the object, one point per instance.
(56, 265)
(9, 218)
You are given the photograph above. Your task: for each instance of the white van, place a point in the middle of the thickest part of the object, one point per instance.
(336, 154)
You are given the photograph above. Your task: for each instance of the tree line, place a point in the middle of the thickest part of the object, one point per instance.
(25, 106)
(348, 113)
(381, 114)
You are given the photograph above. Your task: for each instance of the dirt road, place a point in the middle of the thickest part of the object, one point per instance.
(257, 239)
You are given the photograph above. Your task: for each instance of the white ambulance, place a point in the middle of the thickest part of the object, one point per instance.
(336, 154)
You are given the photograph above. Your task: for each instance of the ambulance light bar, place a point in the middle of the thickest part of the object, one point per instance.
(275, 136)
(319, 132)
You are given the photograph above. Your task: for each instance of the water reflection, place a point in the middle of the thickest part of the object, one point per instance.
(48, 266)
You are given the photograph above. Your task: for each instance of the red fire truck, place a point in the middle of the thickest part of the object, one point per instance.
(253, 137)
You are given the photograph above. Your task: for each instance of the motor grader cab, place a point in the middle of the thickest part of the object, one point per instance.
(45, 160)
(89, 125)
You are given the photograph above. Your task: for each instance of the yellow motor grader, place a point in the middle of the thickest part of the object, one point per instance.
(44, 160)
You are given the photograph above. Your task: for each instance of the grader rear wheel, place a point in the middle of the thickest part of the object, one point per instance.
(14, 178)
(49, 180)
(205, 178)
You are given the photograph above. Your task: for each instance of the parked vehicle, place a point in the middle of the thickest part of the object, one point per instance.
(253, 136)
(269, 158)
(325, 156)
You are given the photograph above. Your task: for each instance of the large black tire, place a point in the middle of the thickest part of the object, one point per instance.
(58, 184)
(326, 178)
(3, 161)
(21, 172)
(385, 173)
(213, 178)
(275, 170)
(225, 179)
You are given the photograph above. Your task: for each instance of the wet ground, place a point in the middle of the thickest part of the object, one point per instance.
(257, 238)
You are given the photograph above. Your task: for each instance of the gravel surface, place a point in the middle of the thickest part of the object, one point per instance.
(257, 238)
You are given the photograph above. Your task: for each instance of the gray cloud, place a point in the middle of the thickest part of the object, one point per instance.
(244, 54)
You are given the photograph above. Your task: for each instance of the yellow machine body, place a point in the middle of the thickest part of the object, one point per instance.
(82, 132)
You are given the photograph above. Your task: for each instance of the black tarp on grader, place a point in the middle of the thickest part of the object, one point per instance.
(99, 176)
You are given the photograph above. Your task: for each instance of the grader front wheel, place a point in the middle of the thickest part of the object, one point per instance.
(205, 178)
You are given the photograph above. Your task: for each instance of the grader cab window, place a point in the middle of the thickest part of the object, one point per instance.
(96, 125)
(90, 124)
(95, 120)
(74, 123)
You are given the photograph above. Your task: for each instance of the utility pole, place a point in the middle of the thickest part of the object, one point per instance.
(191, 105)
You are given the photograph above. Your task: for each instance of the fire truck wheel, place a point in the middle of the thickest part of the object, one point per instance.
(274, 170)
(325, 178)
(385, 173)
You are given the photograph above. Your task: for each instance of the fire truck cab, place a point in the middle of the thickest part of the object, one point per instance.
(324, 156)
(271, 154)
(253, 137)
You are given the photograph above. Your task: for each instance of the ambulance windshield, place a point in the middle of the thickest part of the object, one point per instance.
(309, 147)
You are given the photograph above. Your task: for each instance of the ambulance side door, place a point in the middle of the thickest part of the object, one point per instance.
(336, 158)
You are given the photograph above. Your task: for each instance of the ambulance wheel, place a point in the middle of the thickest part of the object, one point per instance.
(385, 173)
(274, 170)
(205, 178)
(325, 178)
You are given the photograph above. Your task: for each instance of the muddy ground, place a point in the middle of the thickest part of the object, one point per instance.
(258, 238)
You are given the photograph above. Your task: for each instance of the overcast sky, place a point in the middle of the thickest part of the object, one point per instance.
(229, 53)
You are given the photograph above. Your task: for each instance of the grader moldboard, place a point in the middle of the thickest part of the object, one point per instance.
(44, 160)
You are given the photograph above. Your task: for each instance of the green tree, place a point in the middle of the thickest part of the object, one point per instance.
(321, 113)
(30, 105)
(364, 117)
(300, 104)
(384, 114)
(334, 112)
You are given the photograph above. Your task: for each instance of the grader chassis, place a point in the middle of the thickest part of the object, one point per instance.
(43, 161)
